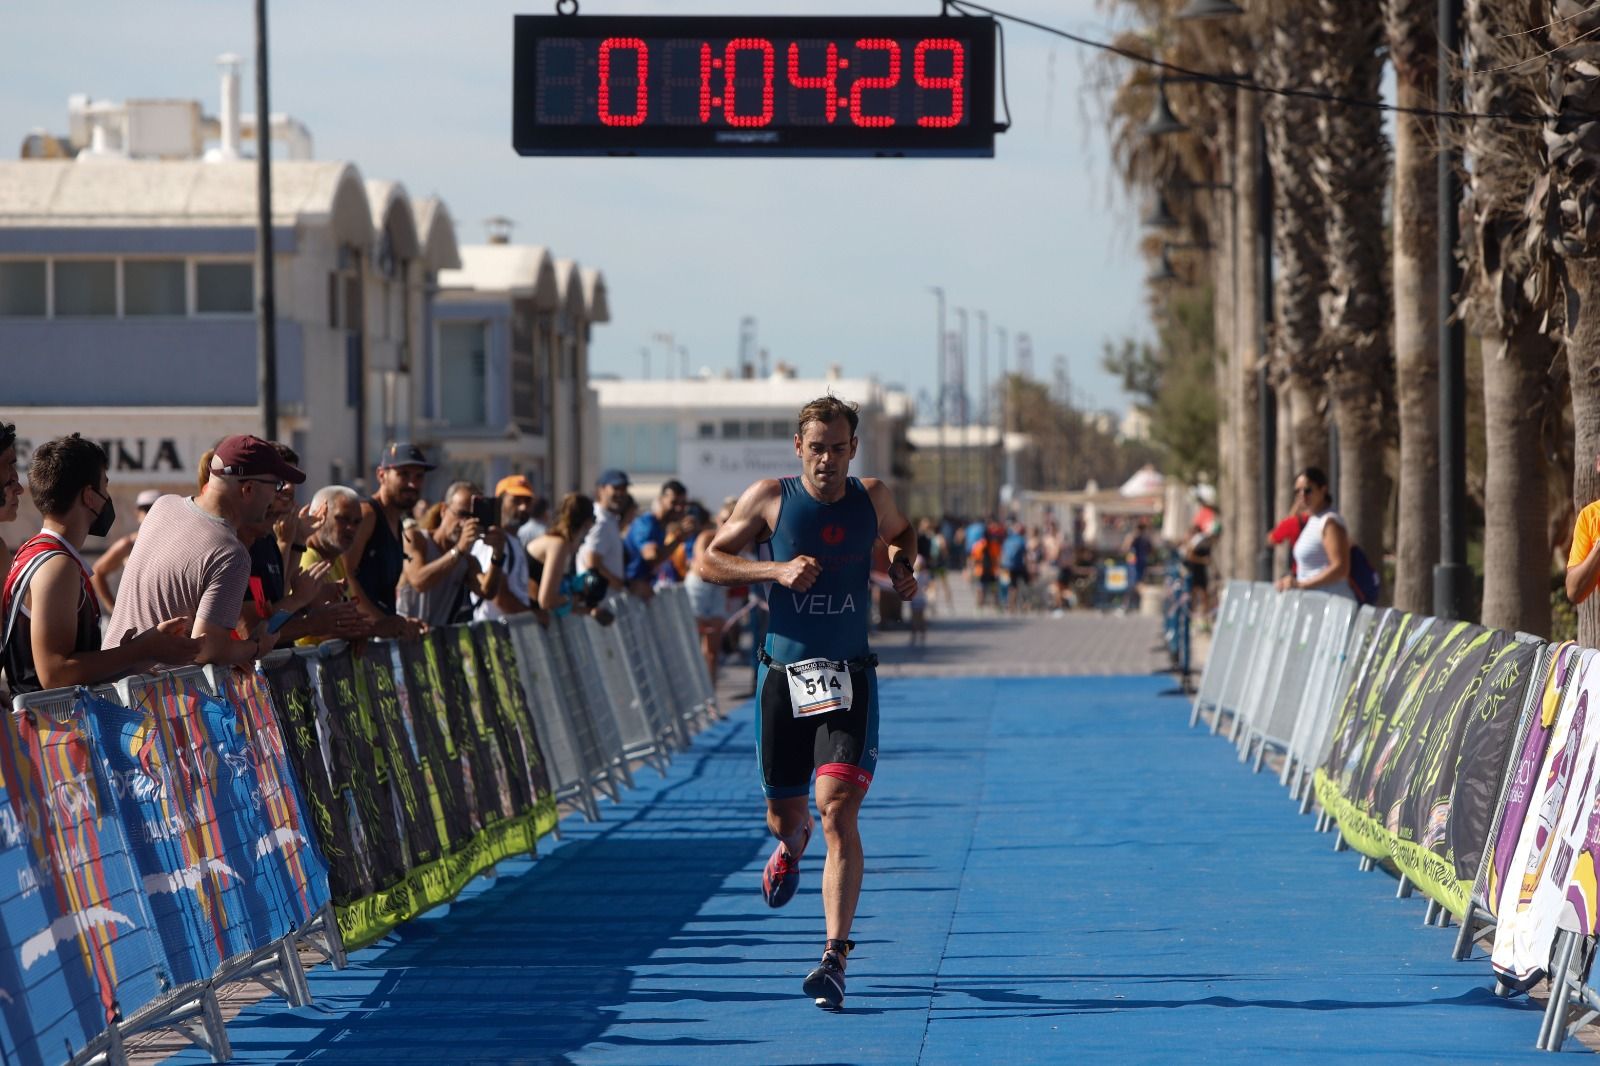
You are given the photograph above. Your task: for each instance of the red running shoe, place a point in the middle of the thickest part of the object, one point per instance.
(782, 876)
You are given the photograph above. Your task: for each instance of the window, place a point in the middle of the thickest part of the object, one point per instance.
(86, 287)
(462, 364)
(732, 430)
(22, 289)
(154, 287)
(782, 429)
(224, 288)
(755, 430)
(708, 431)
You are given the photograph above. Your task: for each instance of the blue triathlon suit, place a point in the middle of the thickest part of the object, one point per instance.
(829, 620)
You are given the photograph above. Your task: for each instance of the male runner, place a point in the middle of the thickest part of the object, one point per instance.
(817, 691)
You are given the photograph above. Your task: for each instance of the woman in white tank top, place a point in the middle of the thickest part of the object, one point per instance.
(1322, 551)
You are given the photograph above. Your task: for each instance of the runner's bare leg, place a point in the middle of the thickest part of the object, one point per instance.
(840, 804)
(786, 820)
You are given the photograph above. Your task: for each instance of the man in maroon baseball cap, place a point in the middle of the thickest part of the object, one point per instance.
(188, 561)
(245, 456)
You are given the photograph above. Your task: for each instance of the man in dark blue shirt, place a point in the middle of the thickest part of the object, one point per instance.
(649, 542)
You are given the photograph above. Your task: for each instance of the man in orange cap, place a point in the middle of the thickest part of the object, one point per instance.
(515, 495)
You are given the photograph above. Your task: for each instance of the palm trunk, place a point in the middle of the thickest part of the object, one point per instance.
(1310, 428)
(1583, 359)
(1516, 552)
(1247, 522)
(1363, 490)
(1416, 315)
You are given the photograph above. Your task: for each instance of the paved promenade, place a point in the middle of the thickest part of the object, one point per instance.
(1058, 870)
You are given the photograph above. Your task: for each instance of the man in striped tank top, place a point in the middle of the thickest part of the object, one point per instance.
(817, 691)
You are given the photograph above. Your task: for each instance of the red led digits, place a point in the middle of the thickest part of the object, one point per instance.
(828, 81)
(641, 106)
(886, 81)
(705, 83)
(958, 62)
(730, 87)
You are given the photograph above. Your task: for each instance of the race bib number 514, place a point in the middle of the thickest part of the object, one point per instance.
(818, 686)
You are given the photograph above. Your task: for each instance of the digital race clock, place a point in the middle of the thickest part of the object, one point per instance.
(620, 85)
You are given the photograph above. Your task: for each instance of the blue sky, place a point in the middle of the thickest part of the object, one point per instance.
(833, 257)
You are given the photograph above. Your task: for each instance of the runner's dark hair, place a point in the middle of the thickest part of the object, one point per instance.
(825, 409)
(62, 468)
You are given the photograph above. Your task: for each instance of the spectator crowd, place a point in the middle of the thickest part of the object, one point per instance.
(251, 560)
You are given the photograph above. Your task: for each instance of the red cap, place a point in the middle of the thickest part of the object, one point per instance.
(1286, 530)
(246, 456)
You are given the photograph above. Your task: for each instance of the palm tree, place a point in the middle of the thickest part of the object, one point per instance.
(1501, 273)
(1413, 52)
(1299, 240)
(1351, 164)
(1563, 208)
(1175, 165)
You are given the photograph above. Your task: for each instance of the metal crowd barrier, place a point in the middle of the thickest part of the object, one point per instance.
(165, 836)
(1282, 669)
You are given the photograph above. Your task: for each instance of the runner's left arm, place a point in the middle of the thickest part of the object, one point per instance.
(896, 532)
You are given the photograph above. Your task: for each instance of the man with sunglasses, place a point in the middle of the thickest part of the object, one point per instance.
(189, 561)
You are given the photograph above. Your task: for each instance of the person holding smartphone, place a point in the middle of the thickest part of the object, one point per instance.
(440, 570)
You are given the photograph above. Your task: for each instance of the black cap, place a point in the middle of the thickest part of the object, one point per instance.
(404, 453)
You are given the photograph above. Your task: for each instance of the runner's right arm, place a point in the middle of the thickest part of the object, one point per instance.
(753, 519)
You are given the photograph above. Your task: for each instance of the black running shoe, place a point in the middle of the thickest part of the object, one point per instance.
(825, 984)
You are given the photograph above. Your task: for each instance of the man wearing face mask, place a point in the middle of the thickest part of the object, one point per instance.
(51, 616)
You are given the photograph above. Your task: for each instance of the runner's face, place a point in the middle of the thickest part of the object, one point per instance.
(825, 450)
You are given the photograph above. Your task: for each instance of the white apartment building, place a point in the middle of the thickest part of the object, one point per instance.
(717, 435)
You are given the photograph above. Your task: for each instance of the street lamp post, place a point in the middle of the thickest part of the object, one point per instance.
(983, 408)
(1452, 576)
(963, 418)
(939, 380)
(267, 312)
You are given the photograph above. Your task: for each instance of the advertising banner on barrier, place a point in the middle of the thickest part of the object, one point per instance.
(1360, 791)
(288, 868)
(1524, 778)
(516, 725)
(77, 937)
(408, 785)
(163, 769)
(442, 762)
(1470, 680)
(407, 843)
(1475, 774)
(464, 693)
(1553, 830)
(1359, 702)
(293, 696)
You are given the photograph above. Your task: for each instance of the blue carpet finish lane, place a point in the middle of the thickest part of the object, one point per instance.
(1057, 870)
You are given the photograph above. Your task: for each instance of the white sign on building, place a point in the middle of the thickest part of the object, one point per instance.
(714, 469)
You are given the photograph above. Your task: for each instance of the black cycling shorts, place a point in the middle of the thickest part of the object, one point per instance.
(842, 744)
